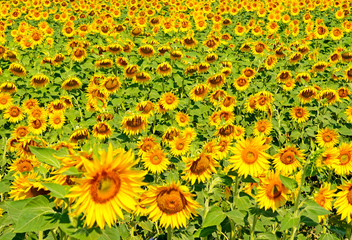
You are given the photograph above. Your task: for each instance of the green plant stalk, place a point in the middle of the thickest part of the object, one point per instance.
(40, 235)
(169, 233)
(295, 207)
(235, 190)
(255, 218)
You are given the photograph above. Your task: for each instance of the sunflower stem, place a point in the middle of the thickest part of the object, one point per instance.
(235, 190)
(295, 207)
(169, 233)
(40, 235)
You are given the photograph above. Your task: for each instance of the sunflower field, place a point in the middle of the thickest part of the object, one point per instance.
(175, 119)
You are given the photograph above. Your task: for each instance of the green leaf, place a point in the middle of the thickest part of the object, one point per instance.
(4, 187)
(57, 190)
(243, 203)
(267, 235)
(36, 216)
(288, 182)
(214, 217)
(344, 130)
(237, 216)
(72, 171)
(328, 236)
(46, 155)
(289, 222)
(313, 208)
(110, 234)
(204, 232)
(86, 234)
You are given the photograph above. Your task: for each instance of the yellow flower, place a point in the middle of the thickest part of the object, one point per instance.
(155, 161)
(288, 160)
(250, 157)
(271, 192)
(172, 205)
(110, 185)
(343, 202)
(327, 137)
(200, 168)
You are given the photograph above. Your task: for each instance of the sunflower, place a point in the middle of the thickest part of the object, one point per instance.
(176, 55)
(199, 92)
(37, 126)
(170, 134)
(14, 114)
(57, 120)
(164, 69)
(71, 84)
(328, 96)
(131, 71)
(299, 114)
(336, 34)
(111, 84)
(348, 74)
(283, 76)
(289, 85)
(142, 78)
(307, 94)
(17, 70)
(79, 135)
(295, 57)
(271, 192)
(262, 127)
(189, 133)
(146, 144)
(155, 161)
(40, 80)
(210, 58)
(172, 205)
(343, 93)
(182, 119)
(203, 67)
(343, 202)
(134, 124)
(250, 157)
(20, 131)
(104, 63)
(321, 32)
(27, 186)
(324, 198)
(328, 159)
(5, 100)
(227, 131)
(305, 76)
(179, 145)
(146, 108)
(102, 130)
(110, 185)
(344, 164)
(288, 160)
(23, 164)
(224, 148)
(37, 112)
(319, 66)
(217, 96)
(78, 54)
(228, 103)
(169, 101)
(122, 61)
(270, 62)
(200, 168)
(189, 42)
(248, 72)
(327, 137)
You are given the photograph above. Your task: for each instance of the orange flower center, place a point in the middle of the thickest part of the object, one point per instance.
(287, 157)
(155, 159)
(344, 157)
(200, 165)
(274, 192)
(105, 186)
(171, 202)
(249, 156)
